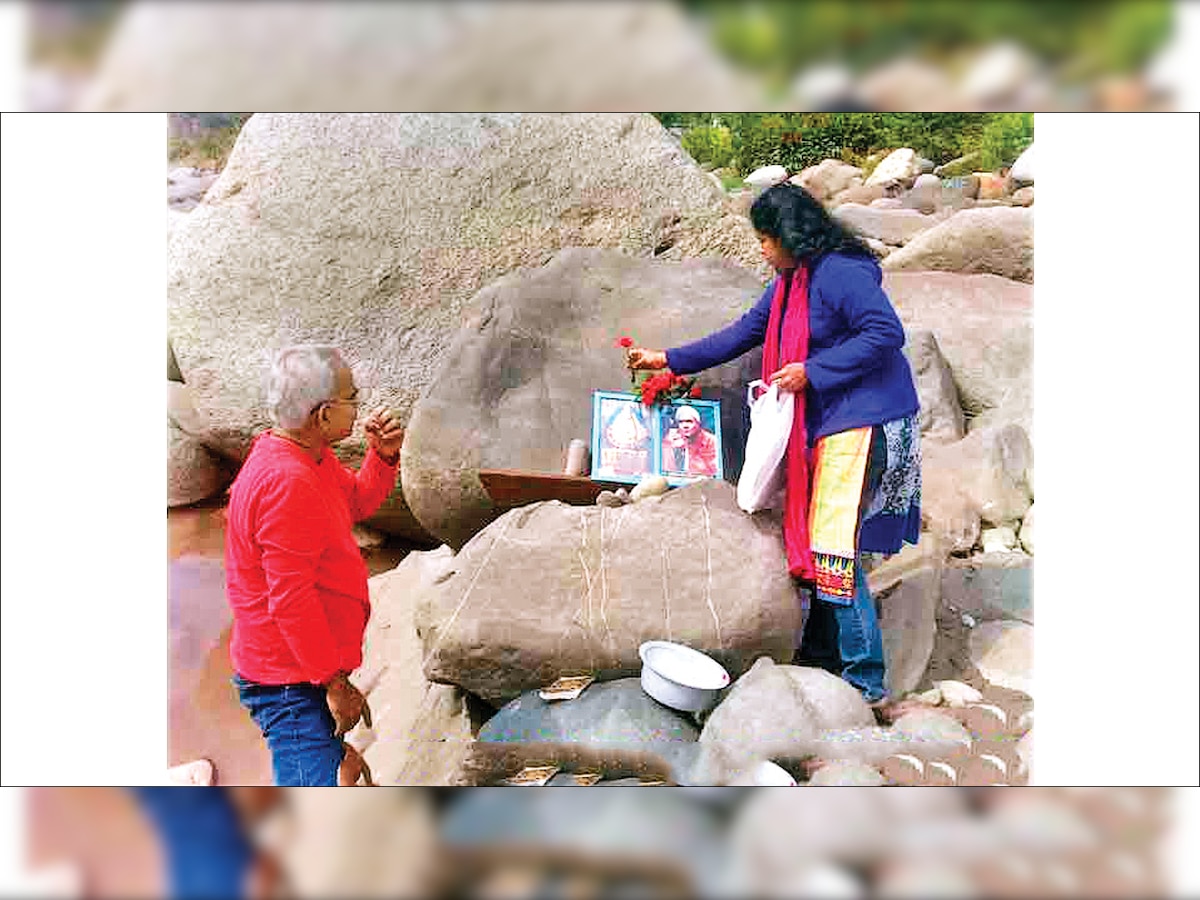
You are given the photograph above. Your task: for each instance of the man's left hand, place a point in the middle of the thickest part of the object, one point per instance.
(791, 377)
(384, 432)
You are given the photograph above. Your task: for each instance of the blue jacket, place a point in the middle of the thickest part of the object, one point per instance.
(856, 371)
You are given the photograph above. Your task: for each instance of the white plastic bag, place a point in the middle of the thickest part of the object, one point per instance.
(761, 483)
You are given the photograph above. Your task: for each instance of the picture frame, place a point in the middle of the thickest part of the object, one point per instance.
(631, 441)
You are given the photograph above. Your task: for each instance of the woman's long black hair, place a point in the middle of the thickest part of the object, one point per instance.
(800, 223)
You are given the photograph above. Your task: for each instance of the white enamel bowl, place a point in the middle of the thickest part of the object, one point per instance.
(680, 677)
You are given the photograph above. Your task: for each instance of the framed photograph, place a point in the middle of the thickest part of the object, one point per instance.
(622, 438)
(689, 440)
(681, 441)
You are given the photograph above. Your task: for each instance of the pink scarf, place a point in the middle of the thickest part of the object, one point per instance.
(794, 349)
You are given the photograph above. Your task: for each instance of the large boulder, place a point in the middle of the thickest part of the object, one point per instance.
(988, 469)
(997, 240)
(536, 345)
(991, 586)
(984, 329)
(373, 232)
(370, 844)
(1003, 654)
(862, 194)
(194, 472)
(775, 711)
(549, 589)
(828, 178)
(628, 838)
(925, 195)
(941, 415)
(892, 226)
(1022, 167)
(899, 165)
(609, 715)
(421, 731)
(907, 589)
(416, 56)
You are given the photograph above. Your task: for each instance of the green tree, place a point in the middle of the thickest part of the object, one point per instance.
(1003, 139)
(709, 144)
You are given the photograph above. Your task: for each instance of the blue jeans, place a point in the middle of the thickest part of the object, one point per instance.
(845, 639)
(299, 729)
(207, 851)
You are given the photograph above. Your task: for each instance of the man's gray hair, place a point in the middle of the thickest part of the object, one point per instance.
(302, 377)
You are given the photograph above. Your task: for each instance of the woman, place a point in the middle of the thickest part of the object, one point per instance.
(831, 337)
(295, 579)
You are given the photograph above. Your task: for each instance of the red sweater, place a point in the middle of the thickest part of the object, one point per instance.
(294, 576)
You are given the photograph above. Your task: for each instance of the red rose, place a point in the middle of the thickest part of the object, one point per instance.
(625, 341)
(695, 391)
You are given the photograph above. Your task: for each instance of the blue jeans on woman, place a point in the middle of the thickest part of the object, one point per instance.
(845, 639)
(300, 731)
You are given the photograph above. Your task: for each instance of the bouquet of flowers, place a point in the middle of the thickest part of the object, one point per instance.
(660, 387)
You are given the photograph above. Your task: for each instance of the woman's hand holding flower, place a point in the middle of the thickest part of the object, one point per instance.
(641, 358)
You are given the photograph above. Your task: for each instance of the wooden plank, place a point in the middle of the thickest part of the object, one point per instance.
(510, 488)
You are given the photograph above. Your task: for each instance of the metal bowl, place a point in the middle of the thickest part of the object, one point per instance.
(680, 677)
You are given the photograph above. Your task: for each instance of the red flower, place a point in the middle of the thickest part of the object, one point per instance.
(625, 341)
(694, 392)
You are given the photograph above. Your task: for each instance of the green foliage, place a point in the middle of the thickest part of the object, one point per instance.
(777, 37)
(1003, 139)
(712, 145)
(747, 141)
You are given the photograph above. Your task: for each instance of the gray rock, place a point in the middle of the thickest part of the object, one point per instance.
(376, 231)
(194, 472)
(1023, 196)
(173, 373)
(898, 165)
(609, 499)
(986, 468)
(925, 195)
(1003, 654)
(535, 346)
(620, 830)
(941, 415)
(1026, 533)
(846, 774)
(984, 330)
(887, 203)
(962, 165)
(999, 241)
(421, 731)
(863, 195)
(594, 583)
(828, 178)
(907, 589)
(650, 486)
(1001, 539)
(772, 712)
(417, 56)
(616, 715)
(892, 226)
(990, 587)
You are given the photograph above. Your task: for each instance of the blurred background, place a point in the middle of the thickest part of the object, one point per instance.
(864, 54)
(503, 842)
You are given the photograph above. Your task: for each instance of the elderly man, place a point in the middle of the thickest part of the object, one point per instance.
(689, 448)
(295, 579)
